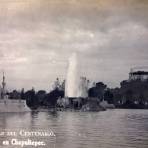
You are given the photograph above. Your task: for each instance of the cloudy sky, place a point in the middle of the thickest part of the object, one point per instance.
(37, 37)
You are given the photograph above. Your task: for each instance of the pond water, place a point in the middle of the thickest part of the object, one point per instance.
(107, 129)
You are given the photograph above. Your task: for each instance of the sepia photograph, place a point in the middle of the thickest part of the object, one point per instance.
(73, 73)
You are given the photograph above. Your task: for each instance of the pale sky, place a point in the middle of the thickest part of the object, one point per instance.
(37, 37)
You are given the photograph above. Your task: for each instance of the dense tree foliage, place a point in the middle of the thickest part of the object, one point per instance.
(131, 94)
(97, 91)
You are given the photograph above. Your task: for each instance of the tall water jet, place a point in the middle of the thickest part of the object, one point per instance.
(72, 80)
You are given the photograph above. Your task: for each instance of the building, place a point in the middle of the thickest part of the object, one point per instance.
(138, 73)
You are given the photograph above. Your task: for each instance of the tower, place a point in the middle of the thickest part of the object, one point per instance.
(3, 93)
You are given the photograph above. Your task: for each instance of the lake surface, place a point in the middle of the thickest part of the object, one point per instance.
(107, 129)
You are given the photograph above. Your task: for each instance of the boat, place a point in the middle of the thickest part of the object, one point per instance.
(11, 105)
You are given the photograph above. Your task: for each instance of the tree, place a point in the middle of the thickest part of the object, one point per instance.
(52, 97)
(97, 91)
(31, 99)
(129, 94)
(22, 94)
(40, 96)
(108, 96)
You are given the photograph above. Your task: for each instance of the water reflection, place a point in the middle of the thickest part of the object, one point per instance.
(109, 129)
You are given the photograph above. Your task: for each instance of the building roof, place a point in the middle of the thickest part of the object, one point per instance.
(139, 73)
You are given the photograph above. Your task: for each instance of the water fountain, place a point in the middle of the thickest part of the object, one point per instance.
(73, 78)
(76, 89)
